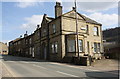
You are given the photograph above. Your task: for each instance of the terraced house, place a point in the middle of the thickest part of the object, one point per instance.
(56, 39)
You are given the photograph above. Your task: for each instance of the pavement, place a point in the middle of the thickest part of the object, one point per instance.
(4, 72)
(28, 67)
(107, 64)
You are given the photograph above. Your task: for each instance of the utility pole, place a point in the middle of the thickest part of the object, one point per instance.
(77, 29)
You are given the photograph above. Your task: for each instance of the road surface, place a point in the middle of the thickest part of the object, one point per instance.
(28, 67)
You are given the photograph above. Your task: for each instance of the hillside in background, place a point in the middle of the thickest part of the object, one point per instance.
(112, 35)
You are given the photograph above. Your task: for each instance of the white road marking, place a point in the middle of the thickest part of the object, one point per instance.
(39, 66)
(67, 74)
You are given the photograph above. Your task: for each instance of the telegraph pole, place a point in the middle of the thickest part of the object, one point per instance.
(77, 28)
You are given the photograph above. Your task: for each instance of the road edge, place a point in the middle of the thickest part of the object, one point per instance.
(8, 69)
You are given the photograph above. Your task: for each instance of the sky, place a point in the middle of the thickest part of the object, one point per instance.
(17, 17)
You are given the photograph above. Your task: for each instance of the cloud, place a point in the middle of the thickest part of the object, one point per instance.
(25, 4)
(91, 6)
(60, 0)
(29, 3)
(96, 6)
(85, 5)
(31, 22)
(107, 20)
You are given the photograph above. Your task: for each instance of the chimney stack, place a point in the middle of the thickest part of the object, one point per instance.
(25, 35)
(45, 15)
(58, 9)
(20, 36)
(26, 32)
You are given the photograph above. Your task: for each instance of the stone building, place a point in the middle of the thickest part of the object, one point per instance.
(3, 48)
(56, 39)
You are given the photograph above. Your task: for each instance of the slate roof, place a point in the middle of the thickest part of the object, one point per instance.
(16, 39)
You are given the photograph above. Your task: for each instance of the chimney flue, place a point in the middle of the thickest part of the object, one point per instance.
(58, 9)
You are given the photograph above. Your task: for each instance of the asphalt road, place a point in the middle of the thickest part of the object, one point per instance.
(28, 67)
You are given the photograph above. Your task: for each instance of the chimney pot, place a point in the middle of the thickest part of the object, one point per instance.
(73, 8)
(58, 4)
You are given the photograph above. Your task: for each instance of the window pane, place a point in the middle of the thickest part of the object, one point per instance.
(98, 47)
(44, 32)
(80, 45)
(95, 47)
(95, 30)
(56, 47)
(87, 29)
(30, 40)
(71, 45)
(30, 51)
(54, 28)
(52, 48)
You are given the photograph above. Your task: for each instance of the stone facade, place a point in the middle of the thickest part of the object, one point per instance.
(3, 48)
(56, 38)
